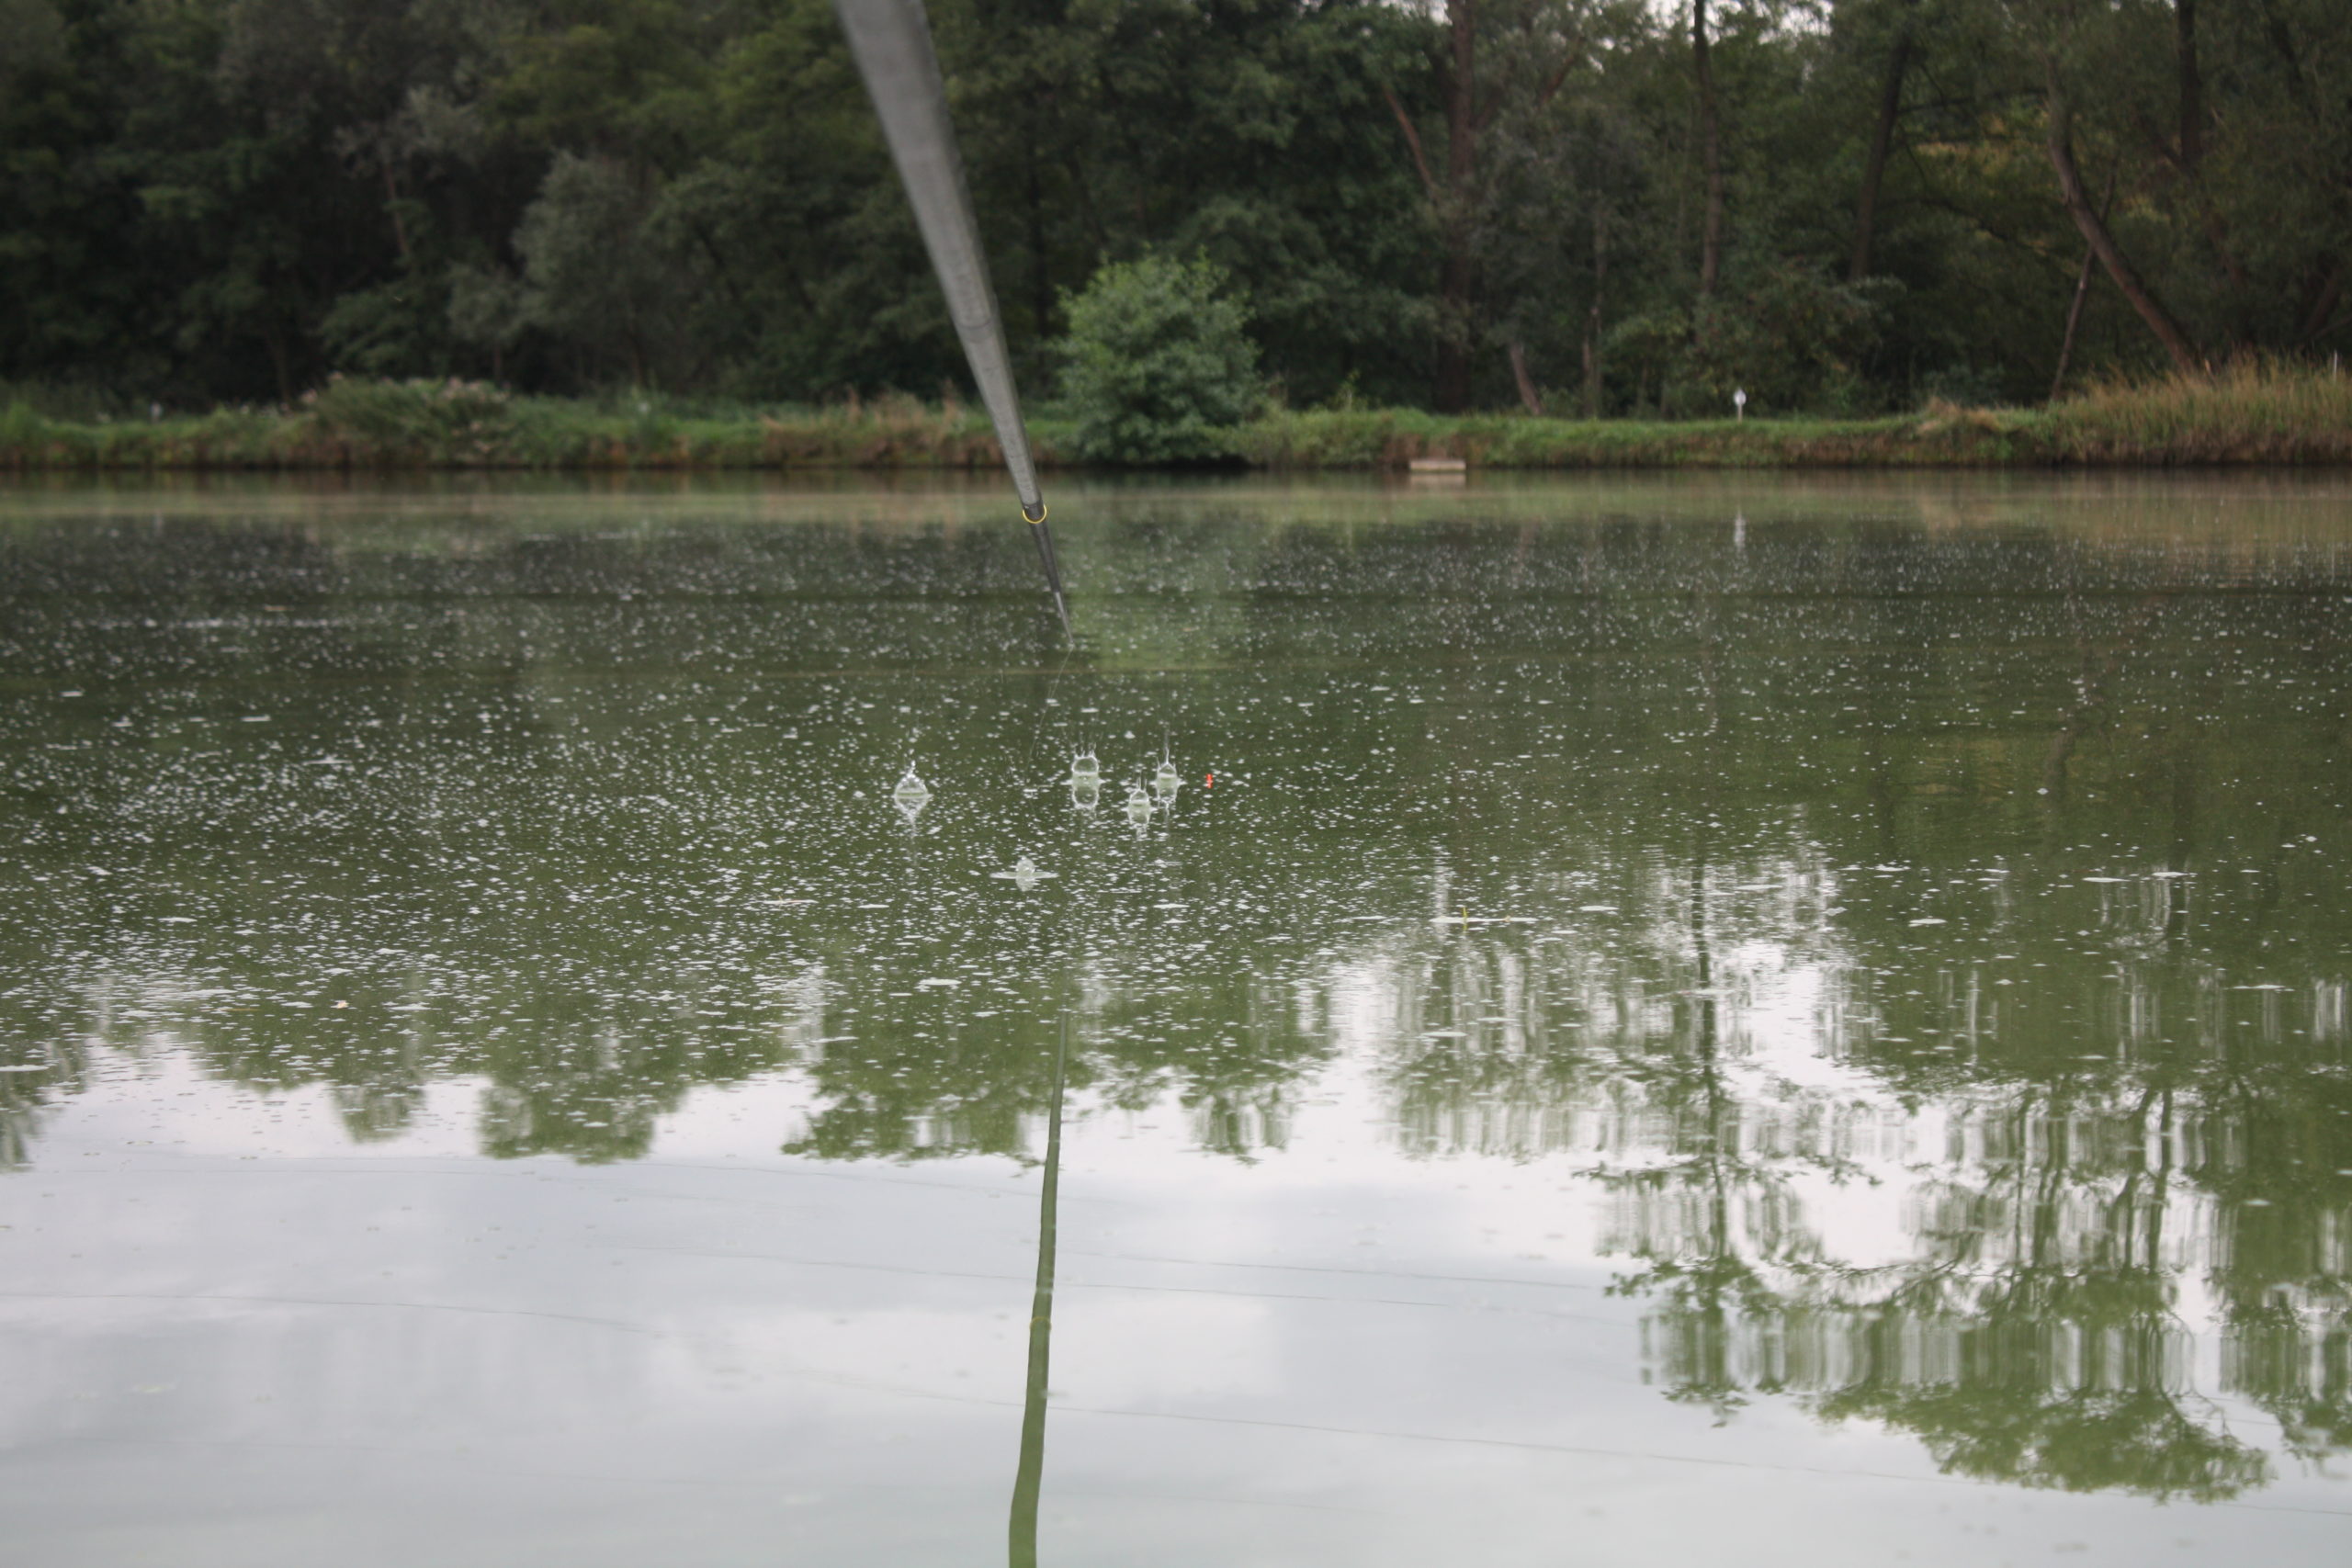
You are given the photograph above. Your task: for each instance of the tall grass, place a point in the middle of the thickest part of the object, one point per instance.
(2249, 413)
(1388, 438)
(2254, 412)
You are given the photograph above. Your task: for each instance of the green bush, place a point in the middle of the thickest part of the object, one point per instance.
(445, 419)
(1157, 366)
(21, 428)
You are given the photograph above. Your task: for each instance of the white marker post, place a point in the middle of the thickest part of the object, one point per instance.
(1738, 404)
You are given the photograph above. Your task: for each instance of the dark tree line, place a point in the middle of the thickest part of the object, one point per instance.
(1598, 206)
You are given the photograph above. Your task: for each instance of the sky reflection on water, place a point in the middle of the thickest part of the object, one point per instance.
(1808, 1019)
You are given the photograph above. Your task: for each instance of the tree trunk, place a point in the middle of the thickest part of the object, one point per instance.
(274, 336)
(1592, 316)
(1457, 275)
(1711, 155)
(1461, 98)
(392, 210)
(2061, 148)
(2193, 84)
(1529, 398)
(2323, 301)
(1890, 109)
(2082, 293)
(1455, 200)
(2074, 320)
(1041, 285)
(1452, 385)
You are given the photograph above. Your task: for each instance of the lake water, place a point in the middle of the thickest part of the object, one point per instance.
(1797, 1020)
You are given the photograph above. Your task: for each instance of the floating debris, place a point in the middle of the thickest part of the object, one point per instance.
(911, 793)
(1024, 873)
(1167, 781)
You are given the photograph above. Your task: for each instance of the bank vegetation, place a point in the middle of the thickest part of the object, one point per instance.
(2252, 414)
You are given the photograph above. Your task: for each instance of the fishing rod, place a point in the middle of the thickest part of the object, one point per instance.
(891, 42)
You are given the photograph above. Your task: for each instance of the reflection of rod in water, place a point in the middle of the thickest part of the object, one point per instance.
(891, 39)
(1021, 1533)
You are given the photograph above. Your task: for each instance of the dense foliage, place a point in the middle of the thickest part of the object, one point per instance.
(1157, 366)
(1602, 206)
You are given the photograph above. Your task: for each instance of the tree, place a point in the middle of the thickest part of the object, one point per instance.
(599, 277)
(2058, 108)
(1493, 56)
(1710, 153)
(1890, 110)
(1451, 203)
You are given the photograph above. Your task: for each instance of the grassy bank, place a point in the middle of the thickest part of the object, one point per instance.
(463, 425)
(2255, 414)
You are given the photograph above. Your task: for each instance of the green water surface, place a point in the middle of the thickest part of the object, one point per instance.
(1782, 1021)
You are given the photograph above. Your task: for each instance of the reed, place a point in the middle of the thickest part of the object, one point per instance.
(2254, 412)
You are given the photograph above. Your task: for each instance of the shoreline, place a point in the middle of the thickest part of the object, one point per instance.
(2251, 416)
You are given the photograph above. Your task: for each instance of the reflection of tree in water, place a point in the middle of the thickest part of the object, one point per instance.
(2040, 1334)
(1715, 1212)
(35, 1079)
(596, 1094)
(904, 1095)
(2035, 1337)
(2301, 1373)
(940, 1080)
(2124, 1229)
(2045, 1375)
(383, 1105)
(559, 1075)
(1233, 1060)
